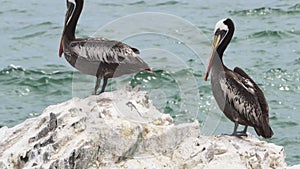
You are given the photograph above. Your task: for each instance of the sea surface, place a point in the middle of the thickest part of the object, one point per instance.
(174, 38)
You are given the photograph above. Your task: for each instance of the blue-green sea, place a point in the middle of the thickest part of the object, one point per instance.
(174, 38)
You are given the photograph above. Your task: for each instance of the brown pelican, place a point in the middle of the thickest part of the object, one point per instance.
(237, 95)
(99, 57)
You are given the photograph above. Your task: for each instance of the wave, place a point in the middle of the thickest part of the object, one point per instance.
(122, 4)
(137, 3)
(295, 9)
(32, 35)
(30, 26)
(276, 34)
(271, 34)
(110, 4)
(297, 61)
(33, 78)
(167, 3)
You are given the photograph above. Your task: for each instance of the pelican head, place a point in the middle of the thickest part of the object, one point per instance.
(71, 5)
(222, 35)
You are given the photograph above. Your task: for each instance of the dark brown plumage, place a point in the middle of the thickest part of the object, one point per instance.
(237, 95)
(99, 57)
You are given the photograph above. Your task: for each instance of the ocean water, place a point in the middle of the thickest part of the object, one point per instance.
(174, 38)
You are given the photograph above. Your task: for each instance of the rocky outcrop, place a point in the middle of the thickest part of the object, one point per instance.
(122, 129)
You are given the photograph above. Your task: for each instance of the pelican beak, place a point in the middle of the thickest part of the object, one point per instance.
(216, 42)
(60, 47)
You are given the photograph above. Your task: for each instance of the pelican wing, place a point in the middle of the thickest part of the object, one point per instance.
(108, 57)
(102, 50)
(247, 81)
(241, 95)
(245, 97)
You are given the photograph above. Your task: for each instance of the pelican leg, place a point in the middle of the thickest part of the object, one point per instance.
(236, 125)
(234, 133)
(103, 85)
(97, 85)
(243, 131)
(239, 133)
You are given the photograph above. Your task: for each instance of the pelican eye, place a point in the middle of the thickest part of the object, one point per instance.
(220, 32)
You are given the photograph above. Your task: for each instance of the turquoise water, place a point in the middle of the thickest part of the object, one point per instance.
(174, 38)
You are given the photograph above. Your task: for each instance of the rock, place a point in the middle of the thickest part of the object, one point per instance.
(122, 129)
(294, 167)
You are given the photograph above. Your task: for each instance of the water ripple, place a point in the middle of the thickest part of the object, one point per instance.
(137, 3)
(37, 79)
(32, 35)
(295, 7)
(167, 3)
(286, 124)
(282, 74)
(16, 11)
(267, 11)
(30, 26)
(110, 4)
(270, 33)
